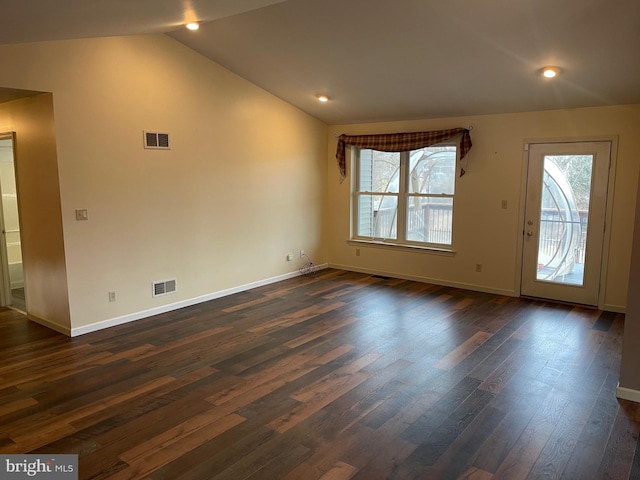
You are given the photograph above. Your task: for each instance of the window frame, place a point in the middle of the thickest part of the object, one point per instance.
(403, 195)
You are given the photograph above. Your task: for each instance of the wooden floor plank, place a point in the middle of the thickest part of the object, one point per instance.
(174, 443)
(340, 471)
(333, 376)
(320, 397)
(617, 459)
(475, 474)
(463, 351)
(530, 444)
(441, 439)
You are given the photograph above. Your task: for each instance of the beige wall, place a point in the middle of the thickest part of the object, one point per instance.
(483, 231)
(629, 371)
(45, 272)
(247, 180)
(243, 184)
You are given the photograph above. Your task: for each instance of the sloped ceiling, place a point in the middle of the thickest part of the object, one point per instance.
(381, 60)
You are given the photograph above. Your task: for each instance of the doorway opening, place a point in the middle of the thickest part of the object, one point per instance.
(12, 293)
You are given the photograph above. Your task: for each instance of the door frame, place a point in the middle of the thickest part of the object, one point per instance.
(5, 279)
(608, 214)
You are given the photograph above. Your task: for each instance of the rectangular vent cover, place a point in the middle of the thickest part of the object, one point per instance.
(156, 140)
(165, 287)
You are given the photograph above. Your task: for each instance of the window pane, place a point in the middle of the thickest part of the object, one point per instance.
(563, 218)
(433, 170)
(429, 219)
(377, 216)
(379, 171)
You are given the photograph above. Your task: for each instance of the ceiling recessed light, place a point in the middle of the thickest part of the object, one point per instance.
(323, 98)
(550, 72)
(193, 25)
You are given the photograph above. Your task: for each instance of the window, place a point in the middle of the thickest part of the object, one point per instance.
(405, 198)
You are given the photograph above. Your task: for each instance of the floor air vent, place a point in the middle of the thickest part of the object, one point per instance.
(156, 140)
(164, 288)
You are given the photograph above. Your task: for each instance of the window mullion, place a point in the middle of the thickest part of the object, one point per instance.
(355, 191)
(402, 197)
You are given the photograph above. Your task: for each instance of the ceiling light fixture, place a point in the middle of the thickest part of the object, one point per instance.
(323, 98)
(550, 72)
(193, 26)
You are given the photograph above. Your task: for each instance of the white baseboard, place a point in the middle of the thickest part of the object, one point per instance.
(435, 281)
(614, 308)
(446, 283)
(628, 394)
(112, 322)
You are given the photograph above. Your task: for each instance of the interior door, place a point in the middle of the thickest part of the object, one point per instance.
(565, 221)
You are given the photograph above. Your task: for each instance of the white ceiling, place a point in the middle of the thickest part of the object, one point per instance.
(382, 60)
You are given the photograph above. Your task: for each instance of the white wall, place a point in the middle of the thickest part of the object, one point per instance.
(242, 186)
(484, 232)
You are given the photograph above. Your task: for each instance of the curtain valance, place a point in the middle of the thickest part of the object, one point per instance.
(400, 142)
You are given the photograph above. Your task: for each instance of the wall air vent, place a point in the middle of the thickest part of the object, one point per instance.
(164, 288)
(155, 140)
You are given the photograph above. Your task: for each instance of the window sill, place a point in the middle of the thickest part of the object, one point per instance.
(448, 252)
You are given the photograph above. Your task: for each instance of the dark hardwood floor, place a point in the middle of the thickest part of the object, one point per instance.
(335, 376)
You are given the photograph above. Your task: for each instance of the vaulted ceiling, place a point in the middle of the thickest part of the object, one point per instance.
(381, 60)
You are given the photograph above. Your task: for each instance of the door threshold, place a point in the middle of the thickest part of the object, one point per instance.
(560, 302)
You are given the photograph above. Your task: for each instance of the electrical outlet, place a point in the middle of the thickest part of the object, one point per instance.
(357, 252)
(301, 253)
(478, 267)
(112, 296)
(289, 257)
(82, 214)
(504, 204)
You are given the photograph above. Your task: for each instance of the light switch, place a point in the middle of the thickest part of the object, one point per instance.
(82, 214)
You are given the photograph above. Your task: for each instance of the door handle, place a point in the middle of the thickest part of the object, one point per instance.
(530, 233)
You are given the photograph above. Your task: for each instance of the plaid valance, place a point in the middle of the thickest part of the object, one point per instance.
(400, 142)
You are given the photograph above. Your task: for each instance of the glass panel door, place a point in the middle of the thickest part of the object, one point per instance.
(564, 217)
(564, 221)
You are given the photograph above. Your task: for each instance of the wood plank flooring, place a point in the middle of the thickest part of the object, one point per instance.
(335, 376)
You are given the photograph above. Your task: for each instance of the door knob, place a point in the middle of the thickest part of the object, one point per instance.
(530, 233)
